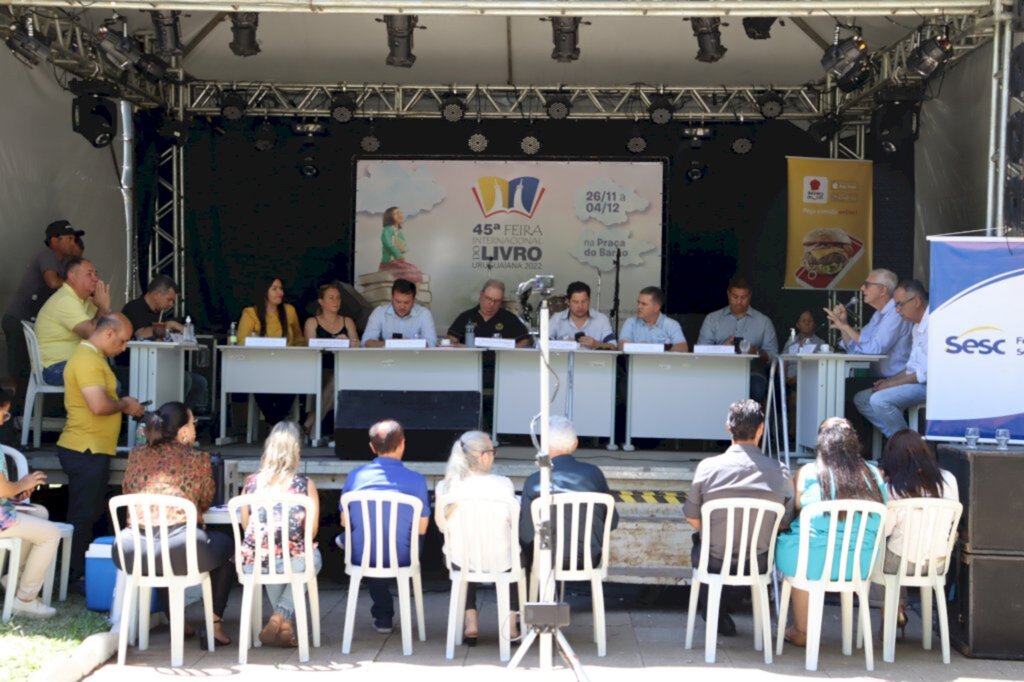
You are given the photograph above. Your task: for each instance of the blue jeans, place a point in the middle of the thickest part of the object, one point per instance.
(885, 408)
(54, 374)
(280, 595)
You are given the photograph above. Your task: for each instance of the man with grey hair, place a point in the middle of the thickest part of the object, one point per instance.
(490, 318)
(741, 471)
(568, 475)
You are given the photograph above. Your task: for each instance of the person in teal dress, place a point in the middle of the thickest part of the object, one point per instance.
(394, 246)
(838, 473)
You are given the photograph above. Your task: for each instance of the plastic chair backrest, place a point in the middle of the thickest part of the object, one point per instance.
(844, 517)
(147, 517)
(386, 506)
(472, 529)
(578, 510)
(270, 514)
(20, 463)
(740, 558)
(929, 531)
(33, 351)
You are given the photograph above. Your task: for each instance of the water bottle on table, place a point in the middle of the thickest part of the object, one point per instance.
(470, 335)
(233, 334)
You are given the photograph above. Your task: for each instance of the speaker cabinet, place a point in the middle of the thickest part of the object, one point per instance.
(985, 612)
(989, 483)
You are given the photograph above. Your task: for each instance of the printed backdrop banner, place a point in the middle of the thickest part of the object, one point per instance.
(829, 244)
(976, 337)
(468, 221)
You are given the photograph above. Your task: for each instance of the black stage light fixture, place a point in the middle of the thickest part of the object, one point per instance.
(1017, 71)
(558, 107)
(369, 143)
(233, 105)
(343, 107)
(123, 52)
(174, 130)
(400, 29)
(26, 45)
(697, 136)
(742, 145)
(243, 33)
(95, 119)
(758, 28)
(847, 61)
(453, 108)
(825, 128)
(894, 125)
(1015, 138)
(307, 163)
(698, 171)
(565, 34)
(530, 144)
(930, 57)
(636, 144)
(265, 137)
(478, 141)
(167, 25)
(770, 104)
(661, 110)
(709, 38)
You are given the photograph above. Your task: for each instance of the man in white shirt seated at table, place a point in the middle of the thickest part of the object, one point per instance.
(588, 327)
(649, 325)
(403, 318)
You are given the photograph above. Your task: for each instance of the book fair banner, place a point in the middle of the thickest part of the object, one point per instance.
(976, 337)
(829, 236)
(451, 225)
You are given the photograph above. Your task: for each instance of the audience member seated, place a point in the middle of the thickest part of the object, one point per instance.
(468, 474)
(279, 473)
(581, 323)
(490, 318)
(403, 318)
(386, 472)
(69, 316)
(328, 323)
(39, 538)
(806, 326)
(271, 317)
(649, 325)
(910, 471)
(169, 464)
(741, 471)
(838, 473)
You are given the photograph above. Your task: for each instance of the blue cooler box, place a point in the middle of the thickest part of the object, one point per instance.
(101, 576)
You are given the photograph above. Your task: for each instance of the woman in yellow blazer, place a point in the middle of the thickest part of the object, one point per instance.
(272, 317)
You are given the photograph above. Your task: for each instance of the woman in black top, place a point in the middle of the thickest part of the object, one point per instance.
(329, 323)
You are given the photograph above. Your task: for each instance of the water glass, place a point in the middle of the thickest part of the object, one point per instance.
(745, 346)
(1002, 439)
(971, 436)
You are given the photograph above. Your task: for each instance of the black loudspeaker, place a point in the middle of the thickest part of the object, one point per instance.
(432, 420)
(894, 126)
(987, 602)
(989, 483)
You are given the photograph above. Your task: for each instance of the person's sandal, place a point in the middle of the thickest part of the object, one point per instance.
(268, 635)
(286, 635)
(795, 637)
(471, 627)
(201, 632)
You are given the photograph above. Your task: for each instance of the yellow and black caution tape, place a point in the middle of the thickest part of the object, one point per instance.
(649, 496)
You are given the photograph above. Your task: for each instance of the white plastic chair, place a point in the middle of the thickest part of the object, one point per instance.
(147, 515)
(473, 556)
(929, 532)
(269, 515)
(913, 419)
(848, 560)
(380, 535)
(739, 567)
(12, 545)
(578, 509)
(37, 389)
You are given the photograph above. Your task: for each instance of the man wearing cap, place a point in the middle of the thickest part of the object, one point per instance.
(43, 275)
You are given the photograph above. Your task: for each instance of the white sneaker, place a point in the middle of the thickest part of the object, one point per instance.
(34, 609)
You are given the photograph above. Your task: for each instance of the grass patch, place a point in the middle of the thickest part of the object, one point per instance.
(28, 644)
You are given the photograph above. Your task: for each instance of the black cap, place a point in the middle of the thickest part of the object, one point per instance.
(59, 228)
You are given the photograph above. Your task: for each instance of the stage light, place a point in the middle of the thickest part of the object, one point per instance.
(343, 107)
(174, 130)
(95, 119)
(770, 104)
(243, 33)
(309, 128)
(265, 137)
(122, 52)
(307, 163)
(400, 29)
(698, 171)
(742, 145)
(758, 28)
(698, 135)
(636, 144)
(478, 142)
(825, 128)
(848, 62)
(453, 108)
(930, 57)
(232, 105)
(661, 110)
(167, 25)
(709, 38)
(26, 45)
(370, 143)
(895, 125)
(565, 34)
(530, 144)
(558, 107)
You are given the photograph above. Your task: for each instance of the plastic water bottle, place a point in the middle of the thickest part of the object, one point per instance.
(233, 334)
(470, 334)
(190, 330)
(792, 341)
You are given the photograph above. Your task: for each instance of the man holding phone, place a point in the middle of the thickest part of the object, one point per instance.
(403, 318)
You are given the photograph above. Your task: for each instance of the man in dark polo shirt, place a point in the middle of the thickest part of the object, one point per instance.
(490, 318)
(741, 471)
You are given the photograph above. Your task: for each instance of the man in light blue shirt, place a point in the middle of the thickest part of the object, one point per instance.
(403, 316)
(649, 325)
(590, 328)
(886, 334)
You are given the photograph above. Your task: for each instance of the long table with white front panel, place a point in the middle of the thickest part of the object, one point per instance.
(156, 374)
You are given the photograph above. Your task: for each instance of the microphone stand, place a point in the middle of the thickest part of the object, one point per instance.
(615, 296)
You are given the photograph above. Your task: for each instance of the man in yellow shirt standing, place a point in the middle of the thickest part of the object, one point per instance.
(70, 315)
(89, 439)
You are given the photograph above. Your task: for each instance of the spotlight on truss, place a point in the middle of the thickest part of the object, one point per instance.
(26, 45)
(400, 29)
(167, 25)
(930, 57)
(530, 144)
(478, 142)
(825, 128)
(698, 171)
(698, 135)
(742, 145)
(709, 38)
(636, 144)
(558, 107)
(233, 105)
(343, 107)
(758, 28)
(307, 162)
(770, 104)
(369, 143)
(124, 52)
(265, 137)
(453, 108)
(660, 110)
(243, 32)
(95, 119)
(565, 34)
(847, 61)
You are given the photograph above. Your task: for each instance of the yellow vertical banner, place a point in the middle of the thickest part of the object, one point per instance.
(829, 236)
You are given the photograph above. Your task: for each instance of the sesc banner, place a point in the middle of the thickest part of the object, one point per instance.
(976, 337)
(829, 236)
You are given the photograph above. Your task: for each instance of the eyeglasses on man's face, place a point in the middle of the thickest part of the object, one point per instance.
(900, 304)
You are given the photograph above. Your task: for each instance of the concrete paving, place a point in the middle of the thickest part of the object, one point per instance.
(643, 638)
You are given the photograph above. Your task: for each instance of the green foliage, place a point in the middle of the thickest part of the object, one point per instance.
(29, 644)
